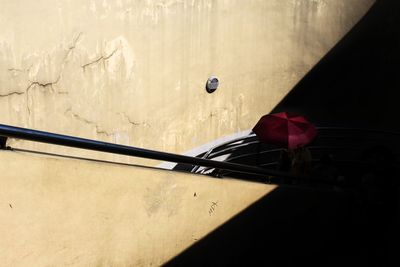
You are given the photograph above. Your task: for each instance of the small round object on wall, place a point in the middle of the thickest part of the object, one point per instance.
(212, 84)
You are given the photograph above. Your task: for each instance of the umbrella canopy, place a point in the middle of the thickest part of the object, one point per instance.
(284, 129)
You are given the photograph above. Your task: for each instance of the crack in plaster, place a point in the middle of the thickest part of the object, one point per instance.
(70, 48)
(50, 84)
(99, 130)
(46, 84)
(134, 123)
(101, 58)
(32, 83)
(129, 120)
(12, 93)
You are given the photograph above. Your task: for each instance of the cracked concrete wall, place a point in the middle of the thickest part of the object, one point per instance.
(133, 72)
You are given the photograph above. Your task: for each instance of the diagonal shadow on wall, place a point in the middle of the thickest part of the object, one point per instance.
(287, 227)
(357, 83)
(354, 85)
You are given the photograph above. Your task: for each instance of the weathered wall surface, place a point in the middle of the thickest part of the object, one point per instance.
(98, 214)
(133, 72)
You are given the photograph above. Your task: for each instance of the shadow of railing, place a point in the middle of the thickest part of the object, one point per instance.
(346, 147)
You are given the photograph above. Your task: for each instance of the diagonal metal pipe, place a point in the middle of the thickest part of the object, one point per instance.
(77, 142)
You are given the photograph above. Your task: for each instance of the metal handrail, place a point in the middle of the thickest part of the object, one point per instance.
(76, 142)
(226, 147)
(231, 146)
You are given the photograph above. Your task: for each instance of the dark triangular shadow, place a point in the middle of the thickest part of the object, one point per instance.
(290, 226)
(357, 84)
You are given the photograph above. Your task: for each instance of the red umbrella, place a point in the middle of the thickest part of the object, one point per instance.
(285, 129)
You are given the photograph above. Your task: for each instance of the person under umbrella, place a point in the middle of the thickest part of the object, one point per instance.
(291, 131)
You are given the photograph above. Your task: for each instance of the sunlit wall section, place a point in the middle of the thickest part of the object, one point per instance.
(134, 72)
(59, 212)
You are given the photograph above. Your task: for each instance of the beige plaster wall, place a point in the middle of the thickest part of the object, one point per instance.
(133, 71)
(66, 212)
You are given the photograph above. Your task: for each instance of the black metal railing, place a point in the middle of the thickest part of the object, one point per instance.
(7, 131)
(349, 142)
